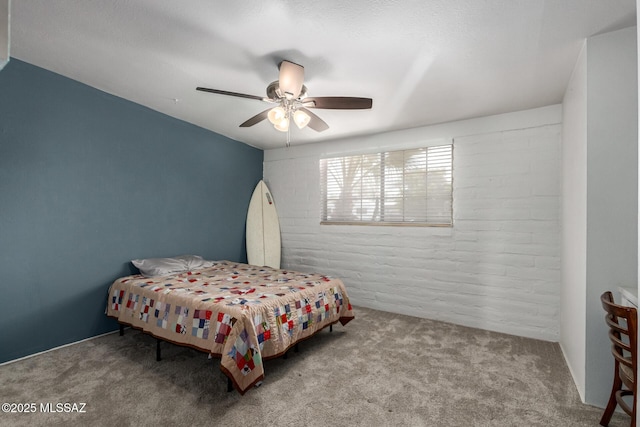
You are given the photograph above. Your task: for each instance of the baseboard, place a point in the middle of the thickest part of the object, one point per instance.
(566, 361)
(56, 348)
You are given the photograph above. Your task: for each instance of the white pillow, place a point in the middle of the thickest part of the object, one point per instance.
(195, 262)
(152, 267)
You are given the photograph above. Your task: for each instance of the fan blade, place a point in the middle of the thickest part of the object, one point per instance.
(316, 123)
(338, 103)
(255, 119)
(224, 92)
(291, 79)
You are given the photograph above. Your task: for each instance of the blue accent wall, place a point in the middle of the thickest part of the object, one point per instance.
(89, 181)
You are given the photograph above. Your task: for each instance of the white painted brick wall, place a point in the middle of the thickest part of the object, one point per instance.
(497, 268)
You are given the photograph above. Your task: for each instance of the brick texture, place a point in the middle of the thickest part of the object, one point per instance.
(497, 268)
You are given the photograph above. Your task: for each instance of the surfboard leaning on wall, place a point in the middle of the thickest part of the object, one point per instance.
(263, 228)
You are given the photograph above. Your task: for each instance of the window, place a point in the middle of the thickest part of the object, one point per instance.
(395, 187)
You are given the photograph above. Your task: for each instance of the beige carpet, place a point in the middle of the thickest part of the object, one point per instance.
(381, 369)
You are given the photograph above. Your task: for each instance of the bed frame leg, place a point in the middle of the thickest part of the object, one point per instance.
(158, 358)
(121, 329)
(286, 353)
(229, 385)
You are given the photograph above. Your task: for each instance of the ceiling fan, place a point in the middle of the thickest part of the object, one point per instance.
(292, 103)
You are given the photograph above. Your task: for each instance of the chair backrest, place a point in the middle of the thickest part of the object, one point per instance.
(623, 334)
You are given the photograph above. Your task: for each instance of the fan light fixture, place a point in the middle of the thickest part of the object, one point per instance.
(280, 117)
(301, 119)
(276, 115)
(282, 125)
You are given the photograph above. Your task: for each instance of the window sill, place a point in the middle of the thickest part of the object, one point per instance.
(386, 224)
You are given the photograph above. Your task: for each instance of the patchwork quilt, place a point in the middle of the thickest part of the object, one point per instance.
(240, 313)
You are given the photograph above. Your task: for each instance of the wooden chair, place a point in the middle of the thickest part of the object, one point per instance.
(623, 330)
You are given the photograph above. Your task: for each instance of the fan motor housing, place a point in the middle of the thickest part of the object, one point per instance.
(273, 91)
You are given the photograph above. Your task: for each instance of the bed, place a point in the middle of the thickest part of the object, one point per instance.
(240, 313)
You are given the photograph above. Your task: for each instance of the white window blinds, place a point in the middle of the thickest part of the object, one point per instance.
(394, 187)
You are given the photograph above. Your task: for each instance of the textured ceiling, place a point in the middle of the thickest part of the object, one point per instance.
(423, 62)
